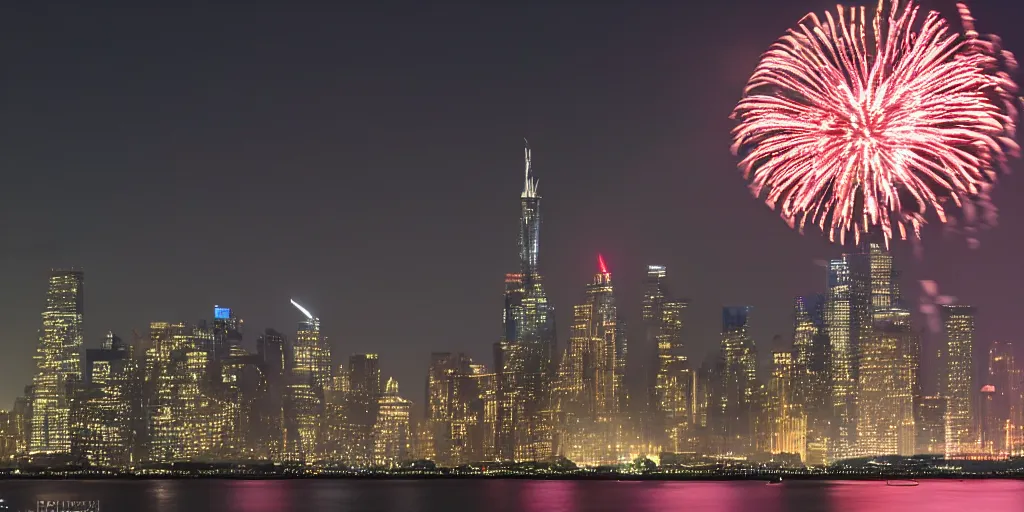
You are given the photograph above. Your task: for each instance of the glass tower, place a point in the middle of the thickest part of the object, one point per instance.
(958, 382)
(57, 363)
(525, 355)
(739, 372)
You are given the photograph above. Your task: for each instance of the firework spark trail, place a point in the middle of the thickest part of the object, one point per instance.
(999, 63)
(857, 122)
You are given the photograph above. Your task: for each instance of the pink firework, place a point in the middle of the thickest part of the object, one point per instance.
(860, 123)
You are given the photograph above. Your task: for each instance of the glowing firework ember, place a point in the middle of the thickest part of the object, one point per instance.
(856, 123)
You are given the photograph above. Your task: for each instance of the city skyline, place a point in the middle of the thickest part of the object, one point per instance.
(170, 248)
(847, 383)
(641, 345)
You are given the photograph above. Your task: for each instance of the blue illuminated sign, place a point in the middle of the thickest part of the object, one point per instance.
(221, 313)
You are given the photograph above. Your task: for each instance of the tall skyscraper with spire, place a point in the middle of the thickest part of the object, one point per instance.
(57, 363)
(525, 355)
(591, 396)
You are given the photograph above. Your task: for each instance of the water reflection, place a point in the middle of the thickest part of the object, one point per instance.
(713, 496)
(932, 495)
(258, 495)
(521, 495)
(545, 496)
(161, 495)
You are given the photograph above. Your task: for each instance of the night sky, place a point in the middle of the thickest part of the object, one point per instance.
(368, 162)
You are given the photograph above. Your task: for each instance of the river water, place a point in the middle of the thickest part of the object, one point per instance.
(516, 495)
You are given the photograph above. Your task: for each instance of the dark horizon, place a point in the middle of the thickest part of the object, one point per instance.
(369, 165)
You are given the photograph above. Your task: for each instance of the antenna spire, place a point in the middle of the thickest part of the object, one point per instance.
(530, 186)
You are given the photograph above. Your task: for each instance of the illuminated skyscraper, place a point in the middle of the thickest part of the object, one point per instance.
(787, 421)
(811, 357)
(859, 284)
(104, 405)
(958, 380)
(676, 381)
(1005, 377)
(931, 425)
(179, 425)
(311, 352)
(361, 411)
(671, 382)
(610, 348)
(525, 357)
(309, 374)
(272, 348)
(655, 293)
(885, 388)
(591, 395)
(739, 375)
(391, 429)
(448, 404)
(57, 364)
(576, 389)
(227, 332)
(992, 431)
(21, 419)
(839, 322)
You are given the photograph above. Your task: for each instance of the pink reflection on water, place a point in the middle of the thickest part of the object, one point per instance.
(714, 496)
(637, 496)
(257, 496)
(548, 496)
(931, 495)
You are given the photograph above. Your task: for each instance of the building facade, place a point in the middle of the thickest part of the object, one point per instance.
(58, 364)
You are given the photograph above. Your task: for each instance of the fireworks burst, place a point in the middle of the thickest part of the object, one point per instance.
(868, 123)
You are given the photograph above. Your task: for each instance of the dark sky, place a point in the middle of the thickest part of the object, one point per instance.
(368, 162)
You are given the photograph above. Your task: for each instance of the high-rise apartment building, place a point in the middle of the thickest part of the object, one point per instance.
(958, 386)
(58, 366)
